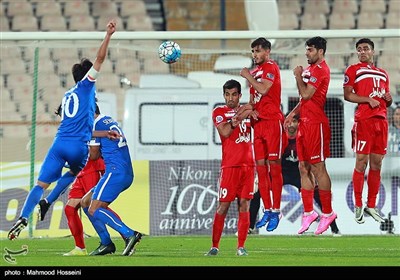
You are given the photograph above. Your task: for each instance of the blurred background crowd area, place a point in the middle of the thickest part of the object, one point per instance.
(129, 63)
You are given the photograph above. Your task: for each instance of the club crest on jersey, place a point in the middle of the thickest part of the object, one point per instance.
(313, 79)
(346, 79)
(270, 76)
(219, 119)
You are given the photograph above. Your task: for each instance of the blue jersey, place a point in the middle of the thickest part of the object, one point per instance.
(115, 152)
(77, 111)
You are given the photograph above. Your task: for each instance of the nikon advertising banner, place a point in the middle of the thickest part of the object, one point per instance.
(184, 197)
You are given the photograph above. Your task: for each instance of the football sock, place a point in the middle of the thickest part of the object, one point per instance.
(243, 228)
(61, 187)
(31, 201)
(326, 201)
(75, 225)
(217, 228)
(264, 185)
(307, 197)
(358, 185)
(276, 185)
(99, 227)
(108, 218)
(374, 182)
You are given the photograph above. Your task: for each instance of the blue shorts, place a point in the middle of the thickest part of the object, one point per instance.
(111, 185)
(75, 152)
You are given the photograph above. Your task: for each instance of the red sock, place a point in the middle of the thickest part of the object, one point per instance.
(243, 227)
(217, 228)
(277, 185)
(358, 185)
(307, 197)
(264, 186)
(326, 201)
(75, 225)
(373, 182)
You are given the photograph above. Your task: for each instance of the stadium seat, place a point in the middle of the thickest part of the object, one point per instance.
(102, 21)
(393, 6)
(101, 8)
(126, 65)
(139, 23)
(45, 66)
(20, 7)
(16, 131)
(65, 55)
(49, 80)
(314, 21)
(75, 7)
(53, 23)
(375, 6)
(129, 7)
(336, 62)
(177, 24)
(81, 23)
(370, 20)
(345, 6)
(316, 6)
(393, 20)
(155, 66)
(47, 8)
(342, 20)
(388, 62)
(4, 24)
(288, 21)
(12, 65)
(289, 6)
(24, 23)
(107, 82)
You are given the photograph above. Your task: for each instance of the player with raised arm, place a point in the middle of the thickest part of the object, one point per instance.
(270, 138)
(314, 135)
(70, 144)
(237, 173)
(368, 86)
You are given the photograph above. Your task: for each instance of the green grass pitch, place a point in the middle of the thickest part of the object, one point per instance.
(181, 251)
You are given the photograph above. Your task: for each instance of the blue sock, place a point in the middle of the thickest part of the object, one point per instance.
(108, 218)
(31, 201)
(99, 227)
(61, 187)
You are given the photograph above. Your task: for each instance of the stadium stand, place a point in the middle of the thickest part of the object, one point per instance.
(171, 15)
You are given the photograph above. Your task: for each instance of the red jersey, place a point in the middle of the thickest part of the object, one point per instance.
(368, 80)
(312, 110)
(93, 166)
(237, 149)
(269, 105)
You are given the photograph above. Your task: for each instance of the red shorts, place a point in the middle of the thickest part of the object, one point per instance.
(236, 182)
(313, 141)
(83, 184)
(270, 139)
(370, 136)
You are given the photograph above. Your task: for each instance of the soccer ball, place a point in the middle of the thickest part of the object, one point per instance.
(169, 52)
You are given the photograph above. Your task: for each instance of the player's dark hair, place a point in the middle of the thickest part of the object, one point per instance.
(230, 84)
(367, 41)
(264, 43)
(79, 70)
(58, 110)
(317, 42)
(97, 111)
